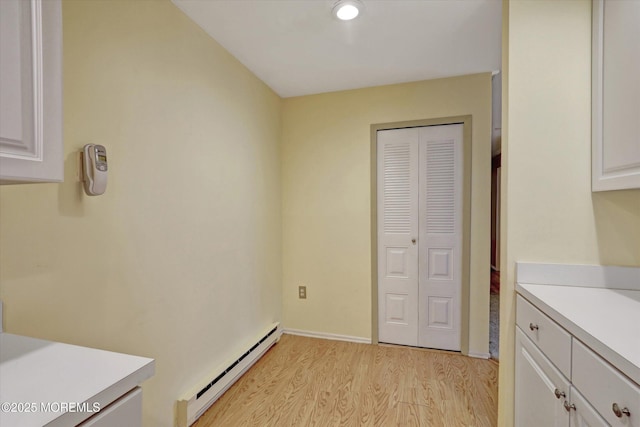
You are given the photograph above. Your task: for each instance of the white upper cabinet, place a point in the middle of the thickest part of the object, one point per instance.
(616, 95)
(31, 148)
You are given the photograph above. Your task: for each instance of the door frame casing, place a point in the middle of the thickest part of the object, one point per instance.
(466, 217)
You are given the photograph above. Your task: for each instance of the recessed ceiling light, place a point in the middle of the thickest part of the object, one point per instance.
(346, 10)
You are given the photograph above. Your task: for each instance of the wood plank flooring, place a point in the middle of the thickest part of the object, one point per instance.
(313, 382)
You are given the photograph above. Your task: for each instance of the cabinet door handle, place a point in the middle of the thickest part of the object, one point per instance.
(568, 407)
(620, 412)
(533, 327)
(559, 394)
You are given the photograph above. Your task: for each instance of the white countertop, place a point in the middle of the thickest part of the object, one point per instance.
(606, 320)
(38, 373)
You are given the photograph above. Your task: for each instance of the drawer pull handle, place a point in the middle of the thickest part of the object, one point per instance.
(559, 394)
(620, 412)
(568, 407)
(533, 327)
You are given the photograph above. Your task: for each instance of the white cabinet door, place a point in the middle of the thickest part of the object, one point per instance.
(604, 386)
(582, 413)
(616, 95)
(541, 390)
(31, 91)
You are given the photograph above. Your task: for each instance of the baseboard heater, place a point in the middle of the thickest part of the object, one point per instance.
(195, 403)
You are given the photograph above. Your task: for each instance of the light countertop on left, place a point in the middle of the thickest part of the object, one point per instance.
(55, 381)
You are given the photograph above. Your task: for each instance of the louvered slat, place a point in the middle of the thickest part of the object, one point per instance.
(440, 195)
(397, 188)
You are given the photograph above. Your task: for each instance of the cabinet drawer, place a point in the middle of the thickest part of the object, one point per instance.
(124, 412)
(602, 385)
(554, 341)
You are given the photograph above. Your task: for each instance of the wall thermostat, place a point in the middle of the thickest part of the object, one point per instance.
(94, 159)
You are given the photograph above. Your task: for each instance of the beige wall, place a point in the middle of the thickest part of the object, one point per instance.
(180, 259)
(549, 212)
(327, 193)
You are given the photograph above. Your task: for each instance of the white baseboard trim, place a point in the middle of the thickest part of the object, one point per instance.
(360, 340)
(326, 336)
(479, 355)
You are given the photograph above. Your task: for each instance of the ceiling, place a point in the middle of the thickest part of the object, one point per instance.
(298, 48)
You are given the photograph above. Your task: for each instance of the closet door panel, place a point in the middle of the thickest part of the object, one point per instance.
(397, 233)
(440, 225)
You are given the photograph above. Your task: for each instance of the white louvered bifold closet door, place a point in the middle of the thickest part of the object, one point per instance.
(420, 236)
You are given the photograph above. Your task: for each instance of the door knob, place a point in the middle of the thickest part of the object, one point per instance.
(568, 406)
(559, 394)
(413, 240)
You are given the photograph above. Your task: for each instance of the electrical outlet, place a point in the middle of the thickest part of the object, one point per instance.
(302, 292)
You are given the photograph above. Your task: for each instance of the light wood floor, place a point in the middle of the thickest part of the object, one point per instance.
(312, 382)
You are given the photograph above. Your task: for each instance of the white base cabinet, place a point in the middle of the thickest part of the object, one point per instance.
(588, 392)
(544, 397)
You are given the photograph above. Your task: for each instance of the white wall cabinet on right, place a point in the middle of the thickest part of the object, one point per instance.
(615, 95)
(562, 383)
